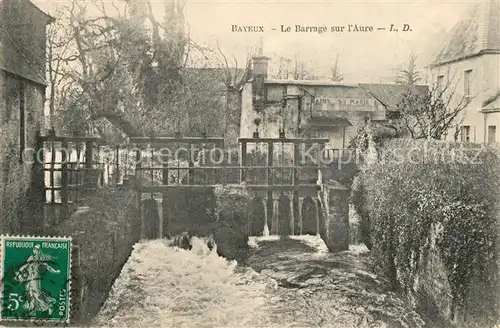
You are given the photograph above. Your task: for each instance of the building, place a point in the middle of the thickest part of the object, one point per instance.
(469, 61)
(22, 71)
(310, 108)
(22, 84)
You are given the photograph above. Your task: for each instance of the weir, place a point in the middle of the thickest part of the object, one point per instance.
(283, 184)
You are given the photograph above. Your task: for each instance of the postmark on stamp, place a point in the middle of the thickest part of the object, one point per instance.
(35, 278)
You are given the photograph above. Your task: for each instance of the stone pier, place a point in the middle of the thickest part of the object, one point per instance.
(335, 226)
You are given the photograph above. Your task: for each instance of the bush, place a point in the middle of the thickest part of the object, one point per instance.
(444, 200)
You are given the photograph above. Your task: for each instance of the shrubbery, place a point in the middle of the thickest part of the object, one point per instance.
(431, 195)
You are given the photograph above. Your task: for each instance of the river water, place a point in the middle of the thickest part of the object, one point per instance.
(292, 282)
(321, 289)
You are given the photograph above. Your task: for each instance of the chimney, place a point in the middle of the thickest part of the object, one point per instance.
(260, 62)
(260, 65)
(259, 74)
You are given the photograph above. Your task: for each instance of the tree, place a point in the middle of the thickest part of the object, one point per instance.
(409, 75)
(282, 72)
(120, 65)
(232, 77)
(299, 69)
(432, 114)
(336, 76)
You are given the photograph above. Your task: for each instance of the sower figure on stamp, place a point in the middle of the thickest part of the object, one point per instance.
(31, 274)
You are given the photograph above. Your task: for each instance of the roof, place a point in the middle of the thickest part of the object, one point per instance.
(492, 99)
(16, 59)
(390, 94)
(492, 103)
(49, 17)
(477, 32)
(309, 82)
(323, 121)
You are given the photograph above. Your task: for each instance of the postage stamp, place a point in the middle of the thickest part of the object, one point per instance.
(35, 278)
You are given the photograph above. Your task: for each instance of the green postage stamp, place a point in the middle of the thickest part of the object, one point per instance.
(35, 278)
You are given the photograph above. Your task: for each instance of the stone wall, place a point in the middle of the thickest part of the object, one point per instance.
(104, 233)
(15, 176)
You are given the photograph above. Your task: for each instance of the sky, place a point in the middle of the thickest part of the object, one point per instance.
(363, 56)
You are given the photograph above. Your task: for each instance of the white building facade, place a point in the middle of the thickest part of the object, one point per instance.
(469, 64)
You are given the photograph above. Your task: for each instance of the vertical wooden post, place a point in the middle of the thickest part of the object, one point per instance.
(166, 209)
(152, 171)
(270, 182)
(88, 154)
(295, 177)
(100, 166)
(266, 219)
(292, 214)
(220, 171)
(275, 224)
(178, 165)
(39, 161)
(294, 163)
(117, 172)
(270, 158)
(190, 165)
(77, 172)
(343, 138)
(243, 161)
(52, 164)
(64, 178)
(89, 174)
(316, 203)
(299, 219)
(138, 188)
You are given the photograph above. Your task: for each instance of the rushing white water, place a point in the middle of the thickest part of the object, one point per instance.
(169, 287)
(299, 284)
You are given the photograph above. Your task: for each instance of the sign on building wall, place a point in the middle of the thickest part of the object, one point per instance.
(345, 103)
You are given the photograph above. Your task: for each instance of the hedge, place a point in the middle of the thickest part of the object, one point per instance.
(431, 195)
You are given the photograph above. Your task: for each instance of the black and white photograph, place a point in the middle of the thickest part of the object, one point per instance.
(250, 163)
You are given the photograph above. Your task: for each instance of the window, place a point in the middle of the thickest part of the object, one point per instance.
(467, 84)
(22, 119)
(465, 133)
(440, 82)
(492, 133)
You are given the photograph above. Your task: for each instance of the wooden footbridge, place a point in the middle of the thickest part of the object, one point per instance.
(283, 175)
(275, 172)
